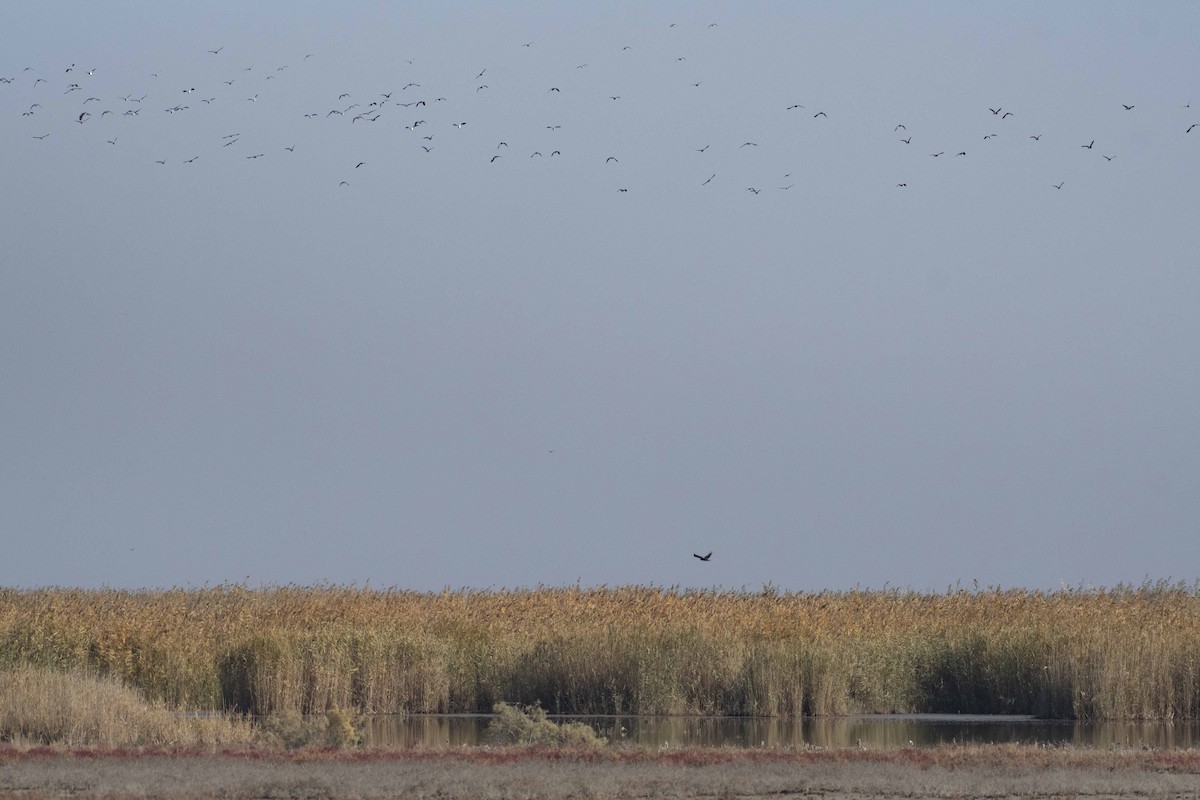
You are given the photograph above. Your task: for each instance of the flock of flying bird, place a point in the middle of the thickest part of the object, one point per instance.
(50, 100)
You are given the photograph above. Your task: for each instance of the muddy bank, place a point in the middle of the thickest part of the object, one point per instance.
(1006, 772)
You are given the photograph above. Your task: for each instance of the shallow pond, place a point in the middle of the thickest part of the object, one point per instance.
(921, 730)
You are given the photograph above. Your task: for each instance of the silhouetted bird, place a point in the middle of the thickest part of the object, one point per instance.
(703, 558)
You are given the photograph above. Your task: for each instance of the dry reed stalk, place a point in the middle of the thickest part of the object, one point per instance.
(1130, 652)
(75, 709)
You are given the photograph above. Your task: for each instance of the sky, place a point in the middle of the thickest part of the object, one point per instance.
(689, 278)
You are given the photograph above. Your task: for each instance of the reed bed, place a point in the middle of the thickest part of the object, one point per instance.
(76, 709)
(1122, 653)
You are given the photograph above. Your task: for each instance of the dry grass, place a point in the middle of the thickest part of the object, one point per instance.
(72, 709)
(1124, 653)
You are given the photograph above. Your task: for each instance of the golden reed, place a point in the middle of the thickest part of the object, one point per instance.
(1128, 652)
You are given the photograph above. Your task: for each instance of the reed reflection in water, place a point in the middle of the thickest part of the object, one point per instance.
(920, 730)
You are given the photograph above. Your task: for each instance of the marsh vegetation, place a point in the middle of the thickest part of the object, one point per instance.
(1124, 653)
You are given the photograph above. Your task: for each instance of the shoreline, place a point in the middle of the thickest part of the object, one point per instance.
(523, 772)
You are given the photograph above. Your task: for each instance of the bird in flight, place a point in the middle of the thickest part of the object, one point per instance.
(747, 144)
(1109, 158)
(1194, 124)
(1127, 108)
(611, 158)
(702, 558)
(710, 177)
(219, 49)
(899, 127)
(820, 114)
(900, 185)
(1058, 185)
(995, 110)
(1036, 138)
(756, 191)
(1007, 114)
(1088, 146)
(494, 159)
(935, 155)
(907, 141)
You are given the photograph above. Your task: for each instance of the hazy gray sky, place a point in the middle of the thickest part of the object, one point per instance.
(461, 370)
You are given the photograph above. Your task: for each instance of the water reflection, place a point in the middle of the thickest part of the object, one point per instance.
(921, 730)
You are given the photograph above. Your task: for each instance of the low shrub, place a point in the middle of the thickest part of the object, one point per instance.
(528, 725)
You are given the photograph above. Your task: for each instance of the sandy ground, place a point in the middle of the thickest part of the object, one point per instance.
(195, 776)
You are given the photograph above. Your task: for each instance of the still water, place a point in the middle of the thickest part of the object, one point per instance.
(921, 730)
